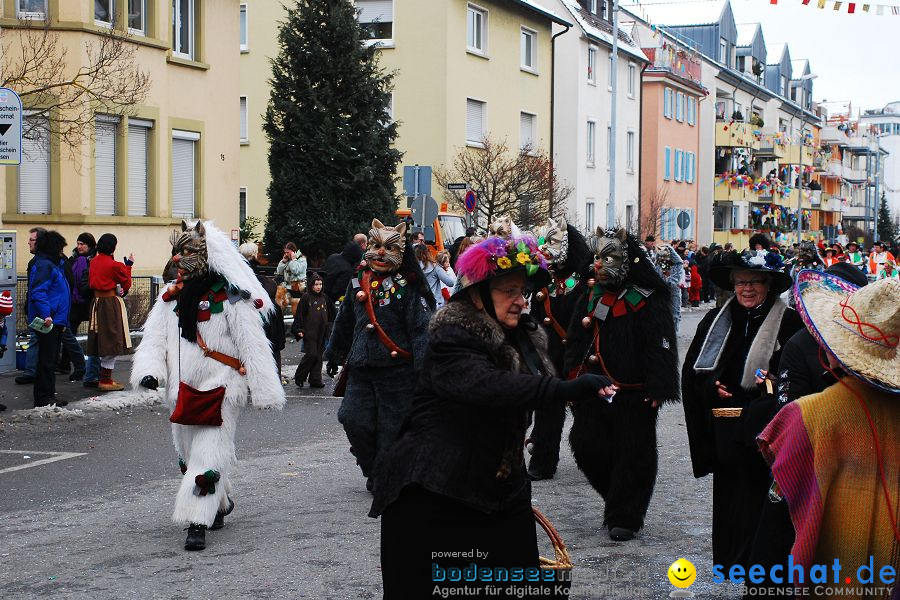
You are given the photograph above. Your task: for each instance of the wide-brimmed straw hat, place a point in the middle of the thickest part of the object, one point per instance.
(498, 256)
(759, 261)
(859, 326)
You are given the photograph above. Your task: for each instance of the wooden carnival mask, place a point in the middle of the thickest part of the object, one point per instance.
(553, 242)
(610, 256)
(189, 251)
(384, 252)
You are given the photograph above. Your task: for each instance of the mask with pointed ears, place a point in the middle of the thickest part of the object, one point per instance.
(610, 256)
(189, 251)
(384, 253)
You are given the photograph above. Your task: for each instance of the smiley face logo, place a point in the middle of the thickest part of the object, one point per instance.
(682, 573)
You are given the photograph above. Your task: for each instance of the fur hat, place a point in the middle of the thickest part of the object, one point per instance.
(764, 262)
(859, 326)
(497, 256)
(6, 303)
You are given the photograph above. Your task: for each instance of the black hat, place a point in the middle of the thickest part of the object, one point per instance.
(848, 272)
(761, 261)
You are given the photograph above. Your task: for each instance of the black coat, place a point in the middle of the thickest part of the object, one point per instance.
(799, 371)
(274, 324)
(464, 437)
(339, 269)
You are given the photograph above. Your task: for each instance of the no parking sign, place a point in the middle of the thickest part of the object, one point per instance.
(471, 201)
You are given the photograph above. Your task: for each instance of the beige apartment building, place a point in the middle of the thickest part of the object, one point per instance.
(463, 71)
(138, 174)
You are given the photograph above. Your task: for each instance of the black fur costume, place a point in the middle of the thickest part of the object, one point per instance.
(548, 422)
(615, 443)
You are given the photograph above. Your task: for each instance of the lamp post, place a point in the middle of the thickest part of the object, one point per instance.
(800, 187)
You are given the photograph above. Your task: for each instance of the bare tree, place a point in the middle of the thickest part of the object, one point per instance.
(69, 93)
(653, 210)
(508, 182)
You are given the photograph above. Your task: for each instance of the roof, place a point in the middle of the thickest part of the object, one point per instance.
(676, 14)
(798, 66)
(533, 6)
(746, 32)
(775, 52)
(599, 30)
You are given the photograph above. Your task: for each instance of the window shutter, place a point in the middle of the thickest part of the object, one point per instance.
(243, 109)
(668, 164)
(34, 172)
(474, 121)
(105, 167)
(371, 11)
(137, 170)
(182, 178)
(526, 130)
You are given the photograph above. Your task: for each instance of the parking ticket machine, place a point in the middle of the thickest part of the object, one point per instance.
(8, 282)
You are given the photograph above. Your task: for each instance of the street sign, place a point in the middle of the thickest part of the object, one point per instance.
(424, 211)
(10, 127)
(417, 181)
(471, 201)
(683, 220)
(457, 186)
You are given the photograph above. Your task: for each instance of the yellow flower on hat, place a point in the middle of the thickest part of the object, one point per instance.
(504, 263)
(523, 258)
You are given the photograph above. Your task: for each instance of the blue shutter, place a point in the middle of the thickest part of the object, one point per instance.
(668, 153)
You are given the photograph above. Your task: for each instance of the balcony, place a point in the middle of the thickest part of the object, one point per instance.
(725, 192)
(735, 135)
(797, 154)
(830, 134)
(771, 146)
(854, 175)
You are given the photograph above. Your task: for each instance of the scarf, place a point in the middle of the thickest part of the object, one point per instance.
(189, 304)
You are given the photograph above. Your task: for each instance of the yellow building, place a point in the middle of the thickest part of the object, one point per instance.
(173, 156)
(463, 71)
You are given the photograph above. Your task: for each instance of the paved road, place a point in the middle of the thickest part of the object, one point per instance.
(95, 523)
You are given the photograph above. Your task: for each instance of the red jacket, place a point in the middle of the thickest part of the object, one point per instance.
(106, 272)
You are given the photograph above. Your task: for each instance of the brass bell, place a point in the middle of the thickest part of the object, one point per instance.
(563, 341)
(394, 354)
(242, 370)
(586, 322)
(591, 282)
(361, 296)
(370, 327)
(547, 320)
(593, 359)
(539, 296)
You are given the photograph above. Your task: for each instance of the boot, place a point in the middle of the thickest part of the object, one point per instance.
(196, 537)
(106, 382)
(219, 523)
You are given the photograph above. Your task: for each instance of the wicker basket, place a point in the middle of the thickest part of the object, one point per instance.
(562, 561)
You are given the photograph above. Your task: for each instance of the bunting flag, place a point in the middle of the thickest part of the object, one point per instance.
(851, 7)
(837, 6)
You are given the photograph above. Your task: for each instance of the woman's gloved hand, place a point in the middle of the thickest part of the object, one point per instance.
(149, 382)
(584, 387)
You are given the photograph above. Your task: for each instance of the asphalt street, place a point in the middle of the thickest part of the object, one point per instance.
(86, 496)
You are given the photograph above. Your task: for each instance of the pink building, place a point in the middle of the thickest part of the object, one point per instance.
(670, 135)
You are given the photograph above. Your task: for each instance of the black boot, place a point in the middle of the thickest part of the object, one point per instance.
(196, 537)
(219, 523)
(621, 534)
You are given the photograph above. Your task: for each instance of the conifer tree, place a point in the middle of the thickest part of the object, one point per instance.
(885, 223)
(330, 156)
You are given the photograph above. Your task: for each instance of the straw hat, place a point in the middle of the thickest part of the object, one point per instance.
(859, 326)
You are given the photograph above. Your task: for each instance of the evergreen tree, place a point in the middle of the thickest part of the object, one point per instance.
(885, 223)
(330, 156)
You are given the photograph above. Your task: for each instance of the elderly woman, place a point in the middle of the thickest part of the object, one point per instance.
(728, 397)
(456, 481)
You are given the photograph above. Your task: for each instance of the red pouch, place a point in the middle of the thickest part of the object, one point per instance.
(194, 407)
(445, 292)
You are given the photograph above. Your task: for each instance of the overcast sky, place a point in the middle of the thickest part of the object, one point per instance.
(856, 57)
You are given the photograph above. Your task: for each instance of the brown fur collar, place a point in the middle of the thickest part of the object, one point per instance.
(478, 323)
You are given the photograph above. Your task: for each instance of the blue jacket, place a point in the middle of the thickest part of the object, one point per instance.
(48, 291)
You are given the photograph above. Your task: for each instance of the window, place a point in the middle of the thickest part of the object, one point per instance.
(589, 215)
(679, 107)
(474, 122)
(630, 225)
(137, 10)
(526, 132)
(739, 111)
(783, 87)
(723, 50)
(592, 65)
(691, 110)
(609, 144)
(183, 28)
(632, 79)
(184, 147)
(244, 45)
(377, 18)
(105, 128)
(741, 63)
(245, 136)
(591, 142)
(138, 177)
(689, 163)
(104, 11)
(667, 103)
(592, 6)
(679, 165)
(667, 159)
(529, 49)
(667, 225)
(721, 108)
(34, 172)
(31, 9)
(242, 205)
(476, 28)
(630, 139)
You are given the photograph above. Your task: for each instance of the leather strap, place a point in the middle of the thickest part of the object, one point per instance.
(226, 360)
(105, 293)
(624, 386)
(370, 312)
(556, 326)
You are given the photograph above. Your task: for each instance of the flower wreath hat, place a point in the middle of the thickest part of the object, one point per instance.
(859, 326)
(497, 256)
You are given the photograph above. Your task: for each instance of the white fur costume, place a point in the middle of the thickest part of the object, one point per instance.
(165, 355)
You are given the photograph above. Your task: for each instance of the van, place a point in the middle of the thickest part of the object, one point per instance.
(448, 227)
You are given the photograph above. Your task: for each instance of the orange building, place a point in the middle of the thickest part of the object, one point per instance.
(670, 132)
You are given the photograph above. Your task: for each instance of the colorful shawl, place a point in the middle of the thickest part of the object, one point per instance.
(822, 456)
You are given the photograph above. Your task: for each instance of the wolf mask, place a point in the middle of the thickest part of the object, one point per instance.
(189, 251)
(553, 242)
(610, 256)
(384, 253)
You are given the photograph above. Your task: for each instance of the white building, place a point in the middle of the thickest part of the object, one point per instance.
(582, 113)
(887, 122)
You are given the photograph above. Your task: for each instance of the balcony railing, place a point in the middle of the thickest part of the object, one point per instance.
(735, 135)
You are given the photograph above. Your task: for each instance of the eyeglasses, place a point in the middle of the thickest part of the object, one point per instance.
(514, 292)
(750, 283)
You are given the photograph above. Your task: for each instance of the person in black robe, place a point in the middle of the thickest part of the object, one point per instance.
(312, 318)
